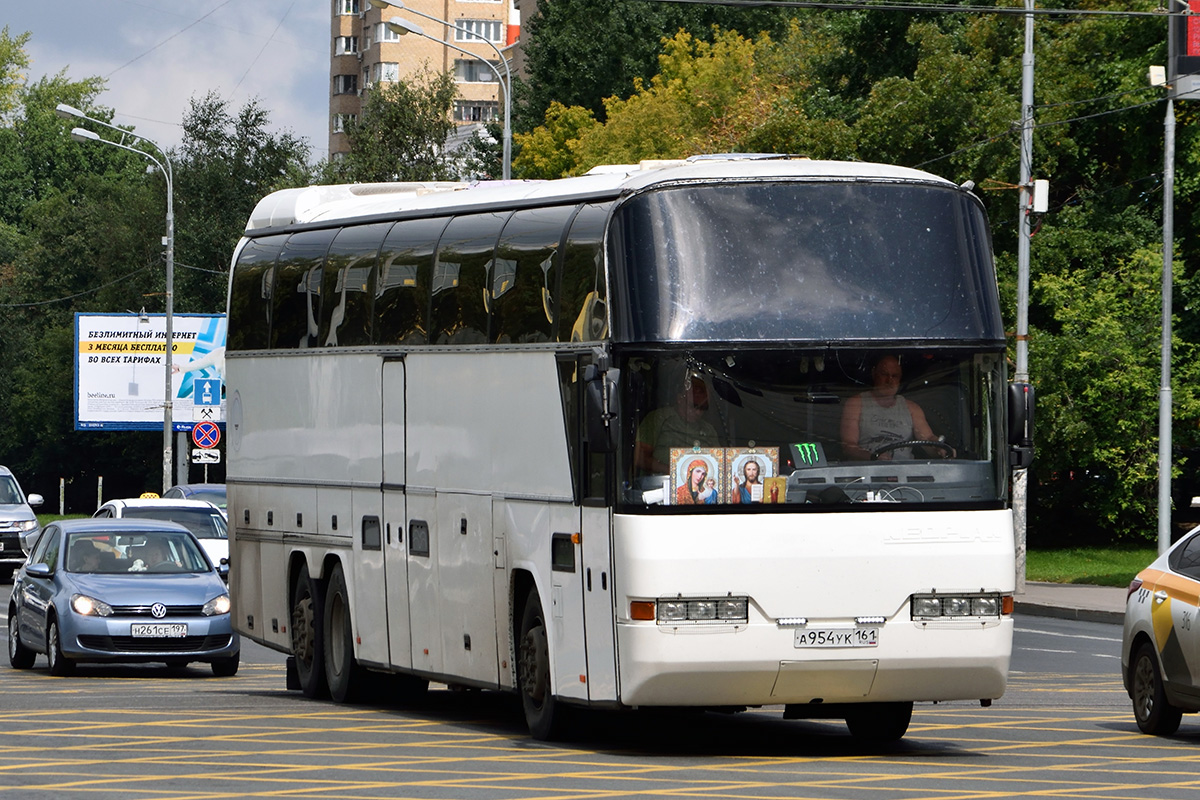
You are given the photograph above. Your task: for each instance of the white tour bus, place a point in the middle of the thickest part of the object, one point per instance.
(593, 440)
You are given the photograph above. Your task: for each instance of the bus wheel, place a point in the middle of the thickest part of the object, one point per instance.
(341, 670)
(308, 636)
(1154, 714)
(543, 715)
(879, 722)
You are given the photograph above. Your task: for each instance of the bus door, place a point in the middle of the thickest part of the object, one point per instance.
(564, 607)
(599, 620)
(394, 598)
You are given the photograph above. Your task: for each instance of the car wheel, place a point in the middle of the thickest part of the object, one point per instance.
(308, 635)
(879, 722)
(60, 665)
(545, 717)
(342, 672)
(1154, 714)
(226, 667)
(19, 656)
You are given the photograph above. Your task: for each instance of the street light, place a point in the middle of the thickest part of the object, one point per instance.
(83, 135)
(402, 26)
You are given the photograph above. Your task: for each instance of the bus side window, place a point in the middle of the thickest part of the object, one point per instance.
(346, 286)
(253, 282)
(524, 281)
(297, 305)
(461, 294)
(402, 282)
(584, 317)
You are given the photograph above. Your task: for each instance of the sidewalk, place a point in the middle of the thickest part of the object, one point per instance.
(1073, 601)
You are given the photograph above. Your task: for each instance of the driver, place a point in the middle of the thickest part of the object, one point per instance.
(879, 417)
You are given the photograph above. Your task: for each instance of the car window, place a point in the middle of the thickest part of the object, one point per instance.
(9, 496)
(1186, 558)
(46, 551)
(205, 523)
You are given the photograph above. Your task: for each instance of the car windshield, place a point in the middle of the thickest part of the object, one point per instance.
(9, 495)
(110, 553)
(205, 523)
(216, 498)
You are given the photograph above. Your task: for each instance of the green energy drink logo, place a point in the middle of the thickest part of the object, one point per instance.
(808, 453)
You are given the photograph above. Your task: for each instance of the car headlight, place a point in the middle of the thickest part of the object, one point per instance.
(27, 525)
(90, 606)
(218, 605)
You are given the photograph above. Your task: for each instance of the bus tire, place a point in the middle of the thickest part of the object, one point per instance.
(308, 635)
(1154, 713)
(545, 717)
(342, 672)
(879, 722)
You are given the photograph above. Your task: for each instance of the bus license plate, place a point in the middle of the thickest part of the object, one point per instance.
(173, 631)
(837, 637)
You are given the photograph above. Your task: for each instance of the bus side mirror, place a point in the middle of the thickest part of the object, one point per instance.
(1020, 424)
(600, 407)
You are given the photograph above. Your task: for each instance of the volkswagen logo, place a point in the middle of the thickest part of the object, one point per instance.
(159, 610)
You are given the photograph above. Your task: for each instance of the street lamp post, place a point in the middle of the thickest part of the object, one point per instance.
(164, 166)
(402, 26)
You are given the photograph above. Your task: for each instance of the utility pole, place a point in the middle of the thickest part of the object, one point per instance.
(1021, 474)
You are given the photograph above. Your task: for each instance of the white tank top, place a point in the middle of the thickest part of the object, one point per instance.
(879, 425)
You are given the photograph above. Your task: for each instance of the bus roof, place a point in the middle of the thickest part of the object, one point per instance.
(317, 204)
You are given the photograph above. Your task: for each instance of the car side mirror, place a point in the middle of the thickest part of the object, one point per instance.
(34, 500)
(39, 570)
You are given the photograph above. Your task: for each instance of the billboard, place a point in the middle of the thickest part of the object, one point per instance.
(120, 377)
(1183, 36)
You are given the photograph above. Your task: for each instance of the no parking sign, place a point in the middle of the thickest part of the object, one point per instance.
(206, 434)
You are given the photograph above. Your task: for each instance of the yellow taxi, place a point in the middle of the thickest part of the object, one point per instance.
(1160, 650)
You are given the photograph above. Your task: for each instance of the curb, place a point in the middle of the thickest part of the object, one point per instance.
(1058, 612)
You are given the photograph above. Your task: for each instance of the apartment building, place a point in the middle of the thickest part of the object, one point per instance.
(364, 51)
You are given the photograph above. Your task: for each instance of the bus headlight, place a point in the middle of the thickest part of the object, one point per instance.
(702, 609)
(957, 606)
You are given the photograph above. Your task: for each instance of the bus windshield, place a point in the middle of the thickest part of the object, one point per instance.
(812, 429)
(798, 261)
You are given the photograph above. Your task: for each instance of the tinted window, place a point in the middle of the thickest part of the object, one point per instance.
(402, 285)
(461, 286)
(797, 260)
(297, 302)
(524, 284)
(1185, 559)
(346, 286)
(253, 285)
(583, 317)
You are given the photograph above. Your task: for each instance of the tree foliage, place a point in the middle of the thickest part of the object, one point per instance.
(401, 133)
(80, 231)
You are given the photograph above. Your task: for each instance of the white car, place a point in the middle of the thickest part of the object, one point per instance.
(1160, 650)
(203, 519)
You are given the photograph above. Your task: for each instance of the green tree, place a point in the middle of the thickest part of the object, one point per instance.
(211, 209)
(401, 133)
(13, 59)
(582, 52)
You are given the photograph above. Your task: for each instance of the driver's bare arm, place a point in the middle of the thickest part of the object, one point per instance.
(851, 415)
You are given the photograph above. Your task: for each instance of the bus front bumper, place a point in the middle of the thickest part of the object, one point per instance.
(761, 664)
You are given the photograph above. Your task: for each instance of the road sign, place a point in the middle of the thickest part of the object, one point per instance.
(207, 392)
(206, 434)
(209, 413)
(206, 456)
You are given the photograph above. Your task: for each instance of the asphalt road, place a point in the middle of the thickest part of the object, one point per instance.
(1064, 729)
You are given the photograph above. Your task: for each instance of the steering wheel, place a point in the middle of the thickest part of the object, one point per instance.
(887, 448)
